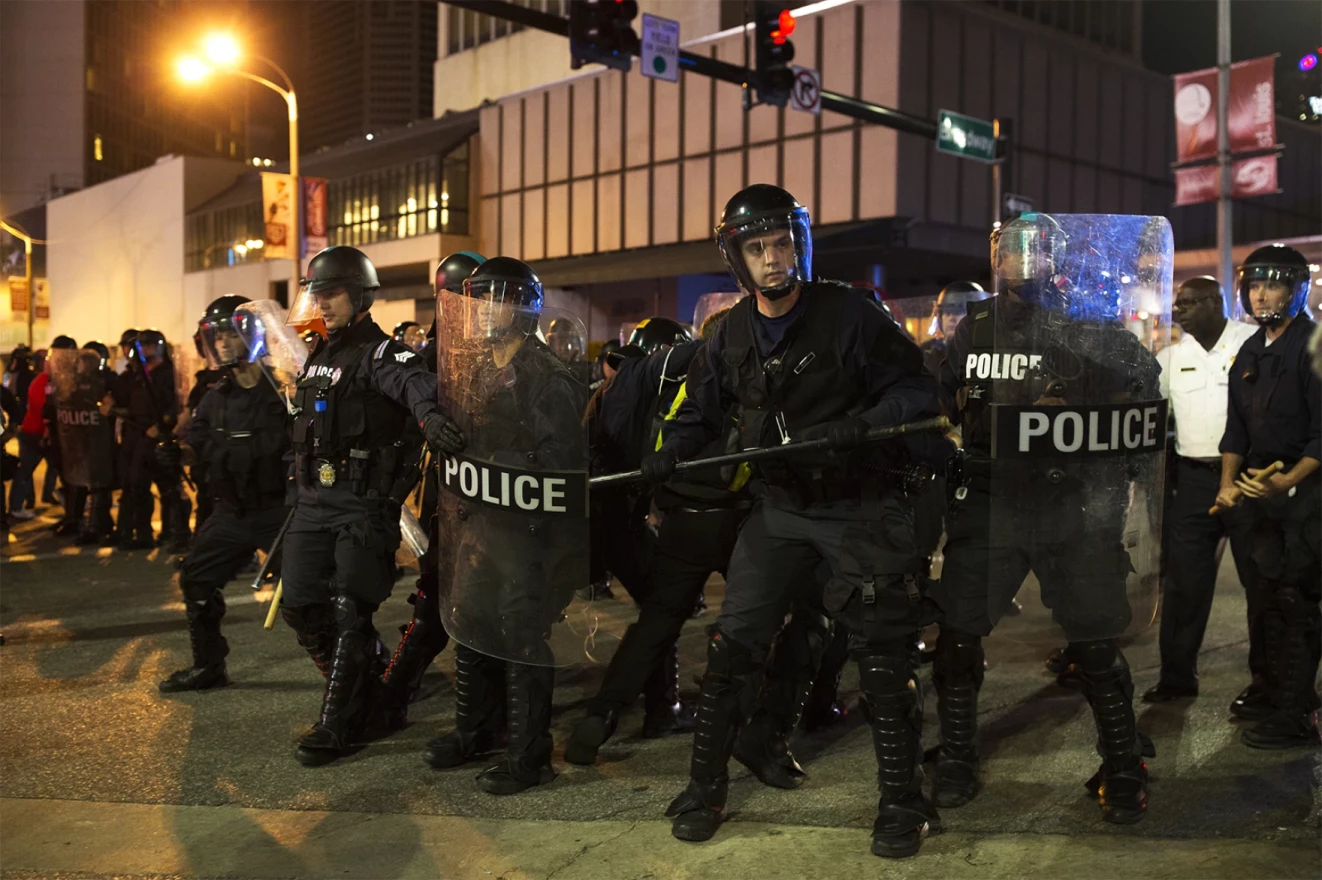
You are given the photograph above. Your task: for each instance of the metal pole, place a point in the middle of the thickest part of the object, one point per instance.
(997, 213)
(296, 212)
(32, 293)
(1225, 229)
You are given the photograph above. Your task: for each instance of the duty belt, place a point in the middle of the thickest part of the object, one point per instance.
(351, 469)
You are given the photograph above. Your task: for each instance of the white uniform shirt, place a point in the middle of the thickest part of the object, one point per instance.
(1197, 382)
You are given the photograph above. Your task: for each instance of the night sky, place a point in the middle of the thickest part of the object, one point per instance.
(1180, 35)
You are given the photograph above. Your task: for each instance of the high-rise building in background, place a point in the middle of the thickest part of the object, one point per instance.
(87, 94)
(366, 67)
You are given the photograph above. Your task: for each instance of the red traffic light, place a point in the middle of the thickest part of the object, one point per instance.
(784, 27)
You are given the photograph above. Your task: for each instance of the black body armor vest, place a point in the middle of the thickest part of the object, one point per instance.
(245, 456)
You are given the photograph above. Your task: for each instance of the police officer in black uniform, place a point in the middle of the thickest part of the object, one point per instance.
(424, 637)
(1062, 520)
(1275, 414)
(410, 335)
(240, 434)
(149, 416)
(666, 579)
(952, 304)
(521, 407)
(802, 359)
(563, 338)
(352, 470)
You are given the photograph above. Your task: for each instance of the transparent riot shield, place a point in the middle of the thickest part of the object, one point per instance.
(710, 304)
(272, 343)
(513, 508)
(86, 435)
(1077, 424)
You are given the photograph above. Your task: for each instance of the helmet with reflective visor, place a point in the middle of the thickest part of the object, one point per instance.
(1275, 263)
(508, 295)
(218, 340)
(765, 237)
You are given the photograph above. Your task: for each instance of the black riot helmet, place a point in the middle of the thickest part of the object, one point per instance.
(63, 342)
(657, 334)
(513, 291)
(1284, 265)
(100, 348)
(410, 335)
(765, 237)
(217, 338)
(343, 266)
(952, 303)
(149, 344)
(126, 338)
(455, 269)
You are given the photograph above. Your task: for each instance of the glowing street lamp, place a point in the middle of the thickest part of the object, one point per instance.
(224, 52)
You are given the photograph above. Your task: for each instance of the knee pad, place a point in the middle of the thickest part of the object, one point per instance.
(1098, 657)
(727, 659)
(958, 659)
(887, 673)
(352, 615)
(196, 592)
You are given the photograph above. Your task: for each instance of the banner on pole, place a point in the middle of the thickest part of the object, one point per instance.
(277, 214)
(314, 217)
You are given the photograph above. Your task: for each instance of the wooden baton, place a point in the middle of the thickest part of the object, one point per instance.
(1266, 473)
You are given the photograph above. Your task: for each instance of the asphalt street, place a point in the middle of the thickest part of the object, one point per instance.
(102, 776)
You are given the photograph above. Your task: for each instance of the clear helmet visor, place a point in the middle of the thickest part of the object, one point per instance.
(1273, 293)
(770, 254)
(495, 308)
(712, 304)
(220, 344)
(271, 341)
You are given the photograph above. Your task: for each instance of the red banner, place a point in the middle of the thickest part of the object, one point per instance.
(1248, 177)
(1252, 120)
(314, 216)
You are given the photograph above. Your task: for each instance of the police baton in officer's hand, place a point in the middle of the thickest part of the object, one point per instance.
(939, 423)
(1261, 477)
(270, 555)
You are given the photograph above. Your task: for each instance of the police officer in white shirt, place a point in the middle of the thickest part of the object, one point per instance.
(1195, 375)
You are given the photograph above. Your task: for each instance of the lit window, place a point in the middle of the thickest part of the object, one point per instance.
(96, 149)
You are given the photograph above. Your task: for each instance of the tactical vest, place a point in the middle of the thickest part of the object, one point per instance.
(804, 383)
(344, 432)
(507, 398)
(245, 460)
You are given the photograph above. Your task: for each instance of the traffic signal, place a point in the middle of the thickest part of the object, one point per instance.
(772, 26)
(601, 32)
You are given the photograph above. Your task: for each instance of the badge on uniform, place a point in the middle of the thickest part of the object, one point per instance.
(326, 473)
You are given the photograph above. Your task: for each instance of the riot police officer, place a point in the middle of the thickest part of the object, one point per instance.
(239, 434)
(424, 637)
(410, 335)
(802, 359)
(508, 570)
(951, 305)
(562, 337)
(1275, 415)
(1046, 346)
(352, 471)
(149, 416)
(666, 583)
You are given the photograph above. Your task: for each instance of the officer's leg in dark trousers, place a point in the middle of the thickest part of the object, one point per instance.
(824, 706)
(142, 503)
(421, 641)
(342, 561)
(690, 546)
(1287, 534)
(176, 508)
(223, 546)
(763, 744)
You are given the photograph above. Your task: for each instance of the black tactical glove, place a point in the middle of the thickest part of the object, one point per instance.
(169, 455)
(659, 467)
(847, 433)
(442, 433)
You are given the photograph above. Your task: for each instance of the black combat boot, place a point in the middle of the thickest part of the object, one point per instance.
(527, 758)
(421, 641)
(347, 684)
(957, 673)
(479, 711)
(763, 744)
(209, 646)
(1121, 784)
(664, 712)
(895, 704)
(1292, 721)
(588, 738)
(728, 690)
(314, 627)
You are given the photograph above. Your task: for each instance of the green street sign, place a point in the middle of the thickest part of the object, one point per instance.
(965, 136)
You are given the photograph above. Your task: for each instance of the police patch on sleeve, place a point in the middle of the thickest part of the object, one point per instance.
(1054, 432)
(547, 493)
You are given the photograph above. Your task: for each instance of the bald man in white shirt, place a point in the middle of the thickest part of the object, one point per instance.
(1195, 375)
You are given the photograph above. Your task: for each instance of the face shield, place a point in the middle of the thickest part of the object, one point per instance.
(1024, 255)
(770, 254)
(219, 343)
(710, 304)
(413, 338)
(148, 351)
(272, 343)
(496, 308)
(567, 346)
(1288, 298)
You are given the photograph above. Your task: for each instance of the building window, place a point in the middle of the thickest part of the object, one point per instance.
(466, 29)
(96, 149)
(402, 201)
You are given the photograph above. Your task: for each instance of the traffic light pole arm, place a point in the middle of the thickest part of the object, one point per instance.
(705, 65)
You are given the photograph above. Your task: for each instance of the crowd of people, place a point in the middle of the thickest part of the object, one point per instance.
(796, 440)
